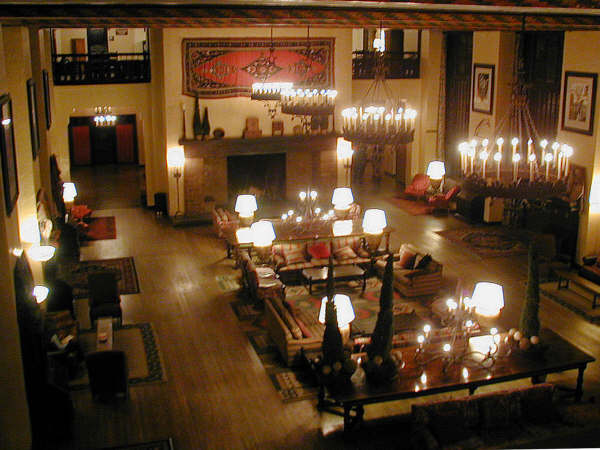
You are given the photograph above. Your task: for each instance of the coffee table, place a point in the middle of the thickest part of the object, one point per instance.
(340, 273)
(559, 356)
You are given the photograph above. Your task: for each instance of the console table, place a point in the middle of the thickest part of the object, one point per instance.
(559, 357)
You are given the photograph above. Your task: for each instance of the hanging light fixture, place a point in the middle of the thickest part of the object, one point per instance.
(104, 116)
(379, 118)
(529, 155)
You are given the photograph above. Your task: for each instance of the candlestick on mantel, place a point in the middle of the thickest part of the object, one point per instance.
(555, 147)
(548, 158)
(516, 159)
(531, 159)
(514, 142)
(498, 159)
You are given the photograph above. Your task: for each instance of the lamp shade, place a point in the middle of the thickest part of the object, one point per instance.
(30, 230)
(262, 233)
(374, 221)
(344, 149)
(488, 299)
(176, 157)
(244, 235)
(343, 306)
(342, 197)
(69, 192)
(342, 227)
(41, 253)
(245, 205)
(436, 170)
(40, 293)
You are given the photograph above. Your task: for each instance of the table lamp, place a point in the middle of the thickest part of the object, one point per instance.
(374, 222)
(40, 293)
(488, 299)
(345, 314)
(245, 205)
(436, 171)
(342, 199)
(263, 235)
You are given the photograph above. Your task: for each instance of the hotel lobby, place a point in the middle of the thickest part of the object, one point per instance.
(160, 134)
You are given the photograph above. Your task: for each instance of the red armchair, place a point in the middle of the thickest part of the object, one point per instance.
(442, 201)
(419, 186)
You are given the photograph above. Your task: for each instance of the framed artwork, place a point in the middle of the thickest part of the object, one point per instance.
(47, 99)
(33, 123)
(579, 97)
(483, 88)
(8, 154)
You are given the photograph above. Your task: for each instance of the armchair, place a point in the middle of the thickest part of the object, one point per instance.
(442, 201)
(418, 187)
(108, 374)
(104, 296)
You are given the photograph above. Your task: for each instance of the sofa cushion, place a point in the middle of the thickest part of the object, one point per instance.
(303, 328)
(500, 411)
(320, 250)
(422, 261)
(293, 256)
(344, 253)
(349, 241)
(407, 257)
(287, 318)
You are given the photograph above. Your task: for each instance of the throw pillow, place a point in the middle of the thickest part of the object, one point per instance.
(344, 253)
(422, 261)
(293, 256)
(407, 257)
(320, 250)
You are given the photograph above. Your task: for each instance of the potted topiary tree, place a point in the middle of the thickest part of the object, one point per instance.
(529, 323)
(379, 364)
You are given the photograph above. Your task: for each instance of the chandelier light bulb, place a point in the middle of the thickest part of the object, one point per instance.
(452, 305)
(471, 151)
(284, 216)
(317, 210)
(447, 347)
(427, 328)
(499, 141)
(514, 141)
(516, 157)
(299, 219)
(483, 155)
(420, 339)
(302, 195)
(485, 142)
(529, 141)
(290, 212)
(469, 323)
(462, 147)
(497, 156)
(313, 195)
(555, 146)
(568, 151)
(548, 157)
(544, 143)
(531, 157)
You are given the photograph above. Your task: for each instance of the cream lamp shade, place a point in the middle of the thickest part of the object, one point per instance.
(342, 198)
(343, 306)
(594, 194)
(69, 192)
(40, 293)
(263, 233)
(436, 170)
(374, 221)
(243, 235)
(245, 205)
(344, 149)
(342, 227)
(30, 230)
(176, 157)
(488, 299)
(41, 253)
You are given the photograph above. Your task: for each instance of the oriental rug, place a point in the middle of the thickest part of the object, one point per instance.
(413, 207)
(76, 274)
(100, 228)
(163, 444)
(140, 344)
(220, 68)
(490, 242)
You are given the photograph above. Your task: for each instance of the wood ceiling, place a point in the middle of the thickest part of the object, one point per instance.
(450, 15)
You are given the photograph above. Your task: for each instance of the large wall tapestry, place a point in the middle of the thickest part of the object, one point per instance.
(218, 68)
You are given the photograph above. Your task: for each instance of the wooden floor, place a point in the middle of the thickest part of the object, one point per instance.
(217, 394)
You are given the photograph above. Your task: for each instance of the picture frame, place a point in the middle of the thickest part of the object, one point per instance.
(33, 122)
(8, 154)
(47, 99)
(579, 99)
(483, 88)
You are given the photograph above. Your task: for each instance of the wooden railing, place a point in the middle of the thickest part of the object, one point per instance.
(398, 64)
(84, 68)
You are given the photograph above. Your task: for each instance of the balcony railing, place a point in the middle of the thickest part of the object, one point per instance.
(75, 68)
(398, 64)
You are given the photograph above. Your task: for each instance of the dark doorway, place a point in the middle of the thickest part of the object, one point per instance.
(459, 51)
(104, 145)
(261, 175)
(97, 41)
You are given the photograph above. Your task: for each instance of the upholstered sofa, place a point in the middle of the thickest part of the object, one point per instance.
(514, 418)
(260, 282)
(412, 278)
(290, 258)
(224, 222)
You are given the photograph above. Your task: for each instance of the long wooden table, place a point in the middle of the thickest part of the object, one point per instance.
(559, 356)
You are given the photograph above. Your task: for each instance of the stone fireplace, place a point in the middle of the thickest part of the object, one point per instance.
(261, 175)
(302, 160)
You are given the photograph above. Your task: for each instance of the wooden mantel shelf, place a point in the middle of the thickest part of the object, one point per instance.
(262, 145)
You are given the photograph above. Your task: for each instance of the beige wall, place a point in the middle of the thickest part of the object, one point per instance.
(231, 113)
(581, 54)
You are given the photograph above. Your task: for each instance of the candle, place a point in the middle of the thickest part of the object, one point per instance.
(483, 156)
(544, 144)
(514, 142)
(529, 147)
(499, 143)
(568, 153)
(531, 159)
(498, 159)
(555, 147)
(516, 158)
(548, 158)
(471, 153)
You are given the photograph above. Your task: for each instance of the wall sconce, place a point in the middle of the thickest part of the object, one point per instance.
(345, 314)
(342, 199)
(176, 162)
(436, 171)
(41, 253)
(374, 222)
(29, 231)
(263, 235)
(40, 293)
(344, 155)
(245, 205)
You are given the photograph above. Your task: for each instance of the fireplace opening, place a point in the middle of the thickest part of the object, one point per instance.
(261, 175)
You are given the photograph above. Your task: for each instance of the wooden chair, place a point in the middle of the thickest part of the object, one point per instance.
(104, 296)
(108, 374)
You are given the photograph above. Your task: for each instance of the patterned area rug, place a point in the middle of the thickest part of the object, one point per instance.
(100, 228)
(140, 344)
(489, 242)
(415, 208)
(299, 383)
(163, 444)
(76, 274)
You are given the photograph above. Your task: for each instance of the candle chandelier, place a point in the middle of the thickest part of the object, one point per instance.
(379, 119)
(516, 143)
(104, 116)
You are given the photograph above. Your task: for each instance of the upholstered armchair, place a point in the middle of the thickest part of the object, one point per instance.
(104, 296)
(442, 201)
(108, 374)
(419, 186)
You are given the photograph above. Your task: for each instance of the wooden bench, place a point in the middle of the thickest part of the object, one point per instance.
(566, 277)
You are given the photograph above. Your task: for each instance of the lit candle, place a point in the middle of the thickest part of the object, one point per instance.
(548, 158)
(483, 156)
(555, 147)
(531, 159)
(514, 142)
(516, 158)
(568, 153)
(529, 147)
(471, 153)
(462, 148)
(544, 144)
(499, 143)
(498, 159)
(559, 164)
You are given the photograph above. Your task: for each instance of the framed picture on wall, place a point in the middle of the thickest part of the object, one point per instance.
(483, 88)
(8, 154)
(47, 98)
(579, 97)
(33, 123)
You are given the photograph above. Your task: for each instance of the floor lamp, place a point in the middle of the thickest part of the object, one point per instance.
(176, 162)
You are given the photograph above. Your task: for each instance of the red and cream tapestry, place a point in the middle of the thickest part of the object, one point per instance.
(219, 68)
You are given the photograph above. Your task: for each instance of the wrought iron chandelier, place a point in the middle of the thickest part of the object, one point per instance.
(264, 90)
(380, 118)
(540, 158)
(104, 116)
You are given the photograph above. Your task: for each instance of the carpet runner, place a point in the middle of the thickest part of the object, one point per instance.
(76, 274)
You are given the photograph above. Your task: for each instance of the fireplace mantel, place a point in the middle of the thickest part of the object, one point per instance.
(310, 161)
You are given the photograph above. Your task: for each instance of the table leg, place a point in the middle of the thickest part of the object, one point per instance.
(364, 281)
(579, 387)
(353, 420)
(310, 285)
